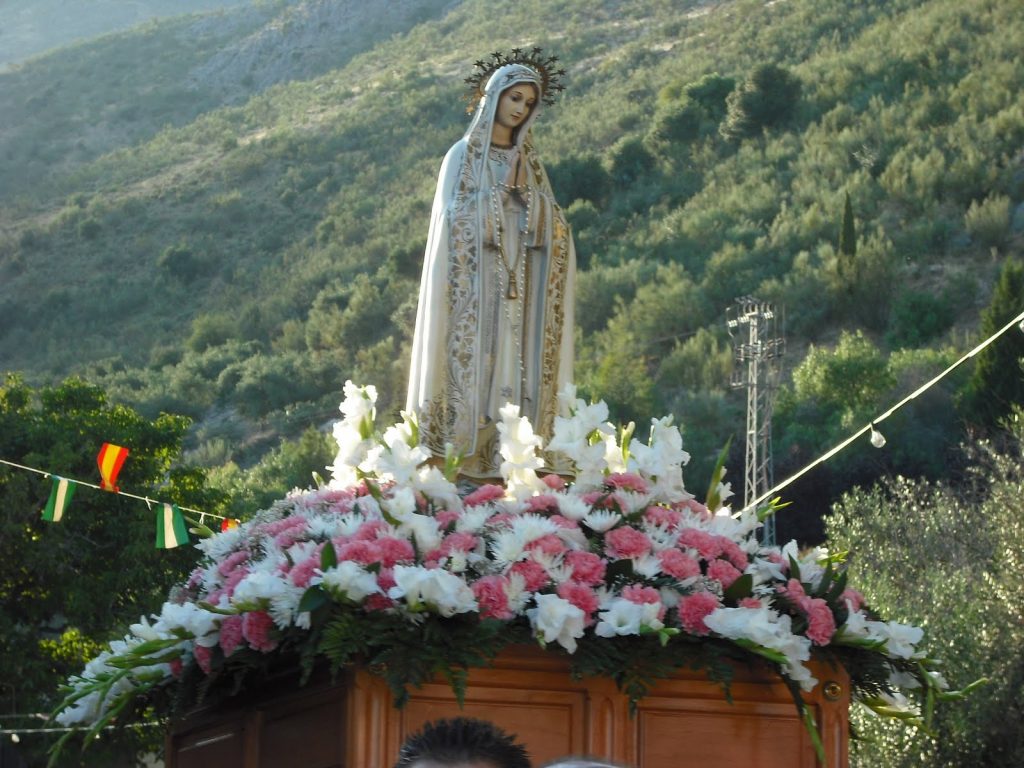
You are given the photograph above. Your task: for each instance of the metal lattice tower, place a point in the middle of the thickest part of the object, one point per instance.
(753, 327)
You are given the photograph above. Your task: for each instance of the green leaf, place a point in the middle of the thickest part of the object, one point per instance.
(312, 598)
(812, 732)
(328, 557)
(742, 587)
(794, 568)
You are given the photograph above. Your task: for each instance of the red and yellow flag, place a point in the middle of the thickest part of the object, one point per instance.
(109, 460)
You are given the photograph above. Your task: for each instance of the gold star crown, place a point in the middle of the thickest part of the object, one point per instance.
(544, 66)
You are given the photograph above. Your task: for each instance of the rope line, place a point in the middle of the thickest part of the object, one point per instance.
(1018, 321)
(149, 501)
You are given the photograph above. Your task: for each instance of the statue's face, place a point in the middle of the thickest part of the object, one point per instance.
(515, 105)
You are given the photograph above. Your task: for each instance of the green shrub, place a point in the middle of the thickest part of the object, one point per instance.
(964, 547)
(988, 221)
(766, 99)
(917, 318)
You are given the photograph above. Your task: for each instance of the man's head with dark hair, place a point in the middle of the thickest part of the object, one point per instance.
(462, 743)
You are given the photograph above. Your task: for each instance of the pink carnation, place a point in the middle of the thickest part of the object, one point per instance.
(446, 517)
(587, 567)
(696, 507)
(582, 596)
(386, 579)
(284, 524)
(548, 544)
(370, 530)
(195, 578)
(637, 593)
(669, 518)
(693, 609)
(605, 500)
(627, 541)
(678, 564)
(856, 598)
(750, 602)
(394, 550)
(707, 545)
(256, 629)
(554, 482)
(301, 574)
(359, 551)
(734, 554)
(492, 597)
(483, 495)
(335, 497)
(779, 560)
(459, 542)
(533, 573)
(793, 590)
(564, 522)
(723, 571)
(821, 624)
(233, 580)
(231, 562)
(176, 667)
(626, 481)
(378, 602)
(501, 520)
(230, 634)
(544, 503)
(203, 657)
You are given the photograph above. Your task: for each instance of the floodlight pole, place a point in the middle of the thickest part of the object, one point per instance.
(757, 354)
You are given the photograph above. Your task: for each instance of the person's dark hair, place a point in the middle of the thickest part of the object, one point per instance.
(462, 740)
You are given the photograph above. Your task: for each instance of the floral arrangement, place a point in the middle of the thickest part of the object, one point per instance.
(393, 566)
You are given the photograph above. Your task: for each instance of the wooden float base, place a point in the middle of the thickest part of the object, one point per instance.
(685, 721)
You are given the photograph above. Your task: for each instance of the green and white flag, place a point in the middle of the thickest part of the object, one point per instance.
(170, 527)
(60, 497)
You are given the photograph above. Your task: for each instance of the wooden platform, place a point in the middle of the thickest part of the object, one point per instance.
(685, 721)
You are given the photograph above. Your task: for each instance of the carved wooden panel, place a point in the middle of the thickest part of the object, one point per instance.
(685, 721)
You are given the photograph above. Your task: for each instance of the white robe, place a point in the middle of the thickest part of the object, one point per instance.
(475, 348)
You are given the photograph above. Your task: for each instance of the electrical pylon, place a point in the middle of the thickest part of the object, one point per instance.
(758, 351)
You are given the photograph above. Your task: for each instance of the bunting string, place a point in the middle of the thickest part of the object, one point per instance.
(149, 502)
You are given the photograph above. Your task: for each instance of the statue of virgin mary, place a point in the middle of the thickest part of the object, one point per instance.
(495, 318)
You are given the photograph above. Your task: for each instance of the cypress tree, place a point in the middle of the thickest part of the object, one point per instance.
(997, 384)
(848, 231)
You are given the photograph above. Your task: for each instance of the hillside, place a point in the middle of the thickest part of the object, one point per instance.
(33, 27)
(231, 239)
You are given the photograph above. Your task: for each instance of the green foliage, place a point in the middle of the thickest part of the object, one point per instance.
(996, 385)
(180, 262)
(711, 92)
(67, 587)
(677, 123)
(837, 391)
(918, 318)
(845, 382)
(988, 221)
(291, 464)
(228, 221)
(211, 331)
(628, 161)
(579, 177)
(847, 231)
(766, 99)
(965, 547)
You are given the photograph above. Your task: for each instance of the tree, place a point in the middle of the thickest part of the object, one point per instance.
(848, 231)
(67, 587)
(766, 99)
(997, 383)
(964, 546)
